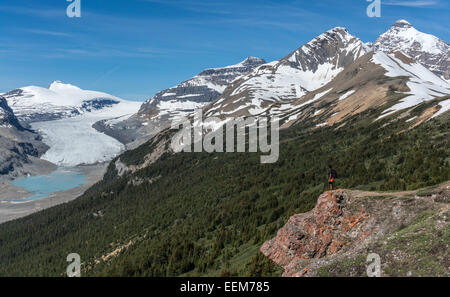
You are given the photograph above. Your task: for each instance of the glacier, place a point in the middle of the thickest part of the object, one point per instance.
(73, 141)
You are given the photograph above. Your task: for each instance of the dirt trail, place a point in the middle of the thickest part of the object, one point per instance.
(359, 193)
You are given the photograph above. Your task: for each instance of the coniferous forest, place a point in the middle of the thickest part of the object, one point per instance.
(200, 214)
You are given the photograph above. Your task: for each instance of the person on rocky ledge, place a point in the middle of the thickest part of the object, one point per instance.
(332, 175)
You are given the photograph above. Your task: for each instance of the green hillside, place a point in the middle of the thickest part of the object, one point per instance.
(208, 214)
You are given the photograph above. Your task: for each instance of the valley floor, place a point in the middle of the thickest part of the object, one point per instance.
(11, 209)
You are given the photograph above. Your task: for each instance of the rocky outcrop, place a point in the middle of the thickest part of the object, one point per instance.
(148, 153)
(7, 117)
(341, 224)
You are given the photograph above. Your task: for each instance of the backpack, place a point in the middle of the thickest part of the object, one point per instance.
(334, 173)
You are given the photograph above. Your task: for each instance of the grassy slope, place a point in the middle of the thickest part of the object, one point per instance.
(207, 214)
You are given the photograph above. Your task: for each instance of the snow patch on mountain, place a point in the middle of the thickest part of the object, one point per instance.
(423, 84)
(347, 94)
(320, 95)
(445, 106)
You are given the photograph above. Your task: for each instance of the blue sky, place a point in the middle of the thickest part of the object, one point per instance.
(134, 48)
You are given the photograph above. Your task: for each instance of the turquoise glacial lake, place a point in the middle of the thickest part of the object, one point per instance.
(43, 186)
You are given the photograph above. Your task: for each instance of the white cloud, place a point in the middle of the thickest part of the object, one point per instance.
(47, 32)
(424, 3)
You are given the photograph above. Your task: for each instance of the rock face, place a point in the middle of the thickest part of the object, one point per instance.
(323, 231)
(19, 147)
(7, 117)
(341, 223)
(427, 49)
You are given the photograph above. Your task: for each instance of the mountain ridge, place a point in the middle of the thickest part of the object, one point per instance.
(175, 102)
(268, 85)
(301, 71)
(372, 81)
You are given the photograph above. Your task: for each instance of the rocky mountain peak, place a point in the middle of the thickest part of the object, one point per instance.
(368, 46)
(402, 35)
(240, 68)
(207, 85)
(332, 36)
(425, 48)
(402, 24)
(328, 47)
(253, 61)
(304, 70)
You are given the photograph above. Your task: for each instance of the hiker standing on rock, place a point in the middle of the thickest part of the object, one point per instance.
(332, 175)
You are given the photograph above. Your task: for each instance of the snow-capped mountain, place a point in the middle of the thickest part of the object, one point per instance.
(313, 74)
(178, 101)
(378, 81)
(197, 91)
(304, 70)
(427, 49)
(64, 115)
(60, 100)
